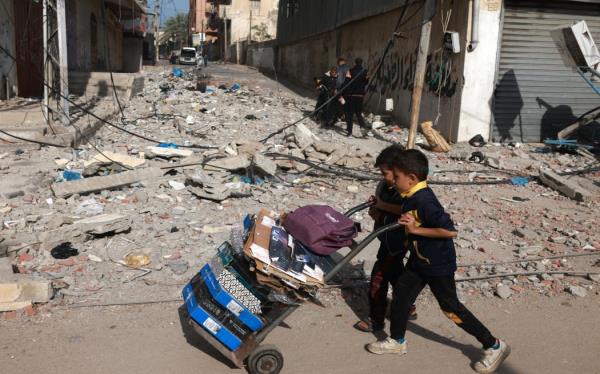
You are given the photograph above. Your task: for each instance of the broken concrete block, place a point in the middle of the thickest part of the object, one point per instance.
(248, 147)
(228, 163)
(108, 157)
(217, 192)
(95, 184)
(18, 291)
(104, 224)
(324, 147)
(337, 155)
(152, 152)
(503, 291)
(265, 164)
(564, 186)
(304, 137)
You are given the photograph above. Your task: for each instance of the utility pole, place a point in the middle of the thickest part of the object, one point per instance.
(226, 52)
(62, 57)
(45, 46)
(417, 94)
(156, 27)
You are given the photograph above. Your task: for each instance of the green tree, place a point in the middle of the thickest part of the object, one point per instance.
(175, 30)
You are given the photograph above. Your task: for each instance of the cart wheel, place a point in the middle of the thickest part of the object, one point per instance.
(266, 359)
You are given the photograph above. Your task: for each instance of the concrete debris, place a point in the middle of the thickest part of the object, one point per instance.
(563, 185)
(577, 290)
(152, 152)
(228, 163)
(264, 165)
(96, 184)
(503, 291)
(178, 204)
(108, 157)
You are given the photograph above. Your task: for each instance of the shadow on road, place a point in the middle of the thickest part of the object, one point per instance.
(197, 341)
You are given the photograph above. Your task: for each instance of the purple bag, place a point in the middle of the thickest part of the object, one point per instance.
(321, 228)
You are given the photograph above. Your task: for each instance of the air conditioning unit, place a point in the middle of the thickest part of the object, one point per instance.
(576, 45)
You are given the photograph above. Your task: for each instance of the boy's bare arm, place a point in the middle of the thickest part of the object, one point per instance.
(437, 233)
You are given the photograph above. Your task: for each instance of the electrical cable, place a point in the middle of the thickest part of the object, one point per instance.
(364, 71)
(34, 141)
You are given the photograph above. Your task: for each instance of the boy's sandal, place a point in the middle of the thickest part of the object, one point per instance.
(363, 326)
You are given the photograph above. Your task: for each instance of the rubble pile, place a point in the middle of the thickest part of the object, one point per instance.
(126, 219)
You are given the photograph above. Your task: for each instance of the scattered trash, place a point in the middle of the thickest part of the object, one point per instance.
(477, 141)
(177, 72)
(251, 117)
(177, 186)
(235, 88)
(64, 251)
(519, 181)
(477, 157)
(168, 145)
(69, 175)
(137, 259)
(89, 207)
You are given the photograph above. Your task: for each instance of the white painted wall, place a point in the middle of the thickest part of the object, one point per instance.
(480, 77)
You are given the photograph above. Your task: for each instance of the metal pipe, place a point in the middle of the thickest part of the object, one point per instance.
(474, 27)
(356, 249)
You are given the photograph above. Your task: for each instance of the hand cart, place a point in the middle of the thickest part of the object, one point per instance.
(244, 344)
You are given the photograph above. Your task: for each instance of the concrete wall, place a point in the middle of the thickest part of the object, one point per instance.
(480, 74)
(133, 51)
(263, 12)
(261, 56)
(79, 42)
(8, 69)
(366, 38)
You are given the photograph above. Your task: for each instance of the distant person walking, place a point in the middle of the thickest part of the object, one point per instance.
(354, 89)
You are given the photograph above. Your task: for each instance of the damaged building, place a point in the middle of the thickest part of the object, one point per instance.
(504, 79)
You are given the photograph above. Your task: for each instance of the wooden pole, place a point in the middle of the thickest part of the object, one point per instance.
(62, 57)
(415, 105)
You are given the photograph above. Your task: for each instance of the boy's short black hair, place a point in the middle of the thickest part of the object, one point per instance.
(358, 61)
(389, 155)
(412, 161)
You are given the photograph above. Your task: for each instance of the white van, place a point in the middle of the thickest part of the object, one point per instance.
(187, 56)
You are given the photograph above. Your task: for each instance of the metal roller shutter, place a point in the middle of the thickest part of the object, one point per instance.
(536, 95)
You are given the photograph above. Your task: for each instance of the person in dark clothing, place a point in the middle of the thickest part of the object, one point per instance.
(390, 257)
(428, 234)
(354, 90)
(342, 68)
(327, 89)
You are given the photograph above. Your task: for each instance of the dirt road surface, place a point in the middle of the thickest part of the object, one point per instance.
(558, 335)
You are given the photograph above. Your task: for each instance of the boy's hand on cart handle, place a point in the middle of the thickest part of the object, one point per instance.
(409, 222)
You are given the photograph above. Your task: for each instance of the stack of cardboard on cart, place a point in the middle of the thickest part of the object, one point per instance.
(263, 239)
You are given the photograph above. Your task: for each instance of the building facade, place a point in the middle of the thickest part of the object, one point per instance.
(251, 20)
(508, 85)
(102, 35)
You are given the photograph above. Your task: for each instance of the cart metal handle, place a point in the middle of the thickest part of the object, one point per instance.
(356, 248)
(358, 208)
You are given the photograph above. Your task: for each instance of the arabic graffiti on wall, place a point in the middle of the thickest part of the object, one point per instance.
(398, 73)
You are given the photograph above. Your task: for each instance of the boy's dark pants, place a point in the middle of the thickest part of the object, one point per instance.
(386, 271)
(411, 283)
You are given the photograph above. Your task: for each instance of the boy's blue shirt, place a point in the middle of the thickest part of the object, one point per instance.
(430, 256)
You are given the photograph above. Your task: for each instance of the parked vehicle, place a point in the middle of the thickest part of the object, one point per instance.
(187, 56)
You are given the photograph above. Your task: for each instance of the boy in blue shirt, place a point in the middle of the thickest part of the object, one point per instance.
(428, 235)
(390, 257)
